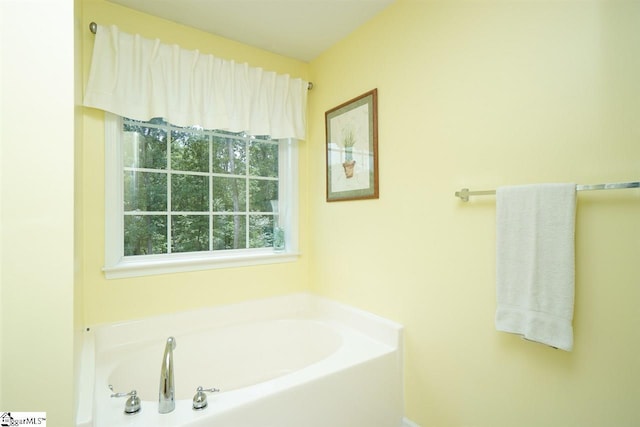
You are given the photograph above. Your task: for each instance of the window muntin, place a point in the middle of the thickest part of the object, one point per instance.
(188, 193)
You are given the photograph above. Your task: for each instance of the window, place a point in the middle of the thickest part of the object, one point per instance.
(181, 199)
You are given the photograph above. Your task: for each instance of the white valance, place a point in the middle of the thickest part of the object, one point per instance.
(142, 78)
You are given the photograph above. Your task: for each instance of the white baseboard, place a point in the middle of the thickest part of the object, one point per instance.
(406, 422)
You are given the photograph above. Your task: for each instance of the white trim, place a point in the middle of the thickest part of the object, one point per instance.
(113, 194)
(178, 263)
(118, 266)
(288, 190)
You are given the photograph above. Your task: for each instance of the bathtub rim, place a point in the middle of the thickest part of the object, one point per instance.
(302, 304)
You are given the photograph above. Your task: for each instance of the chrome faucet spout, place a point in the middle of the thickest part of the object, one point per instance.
(166, 395)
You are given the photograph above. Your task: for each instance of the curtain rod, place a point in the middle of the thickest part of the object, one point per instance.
(465, 193)
(93, 27)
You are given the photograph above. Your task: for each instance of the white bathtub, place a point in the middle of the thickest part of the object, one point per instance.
(292, 361)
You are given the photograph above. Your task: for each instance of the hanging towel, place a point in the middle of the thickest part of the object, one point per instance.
(535, 271)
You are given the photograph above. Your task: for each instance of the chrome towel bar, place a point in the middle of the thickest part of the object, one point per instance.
(464, 193)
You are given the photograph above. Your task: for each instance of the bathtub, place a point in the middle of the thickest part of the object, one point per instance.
(290, 361)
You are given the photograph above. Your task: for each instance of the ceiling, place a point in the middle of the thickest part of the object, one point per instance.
(300, 29)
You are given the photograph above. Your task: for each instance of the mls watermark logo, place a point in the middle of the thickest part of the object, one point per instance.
(8, 419)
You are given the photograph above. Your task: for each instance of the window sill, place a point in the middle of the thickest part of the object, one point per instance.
(148, 265)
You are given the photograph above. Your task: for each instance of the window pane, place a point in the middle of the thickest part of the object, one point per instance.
(144, 147)
(261, 193)
(189, 233)
(229, 232)
(229, 156)
(263, 159)
(260, 231)
(189, 193)
(192, 191)
(145, 234)
(145, 191)
(229, 194)
(189, 151)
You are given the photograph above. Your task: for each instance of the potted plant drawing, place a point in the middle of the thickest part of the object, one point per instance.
(348, 141)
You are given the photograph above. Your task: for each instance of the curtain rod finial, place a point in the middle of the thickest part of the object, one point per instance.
(93, 27)
(309, 86)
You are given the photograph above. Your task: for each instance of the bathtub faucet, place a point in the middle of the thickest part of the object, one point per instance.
(166, 396)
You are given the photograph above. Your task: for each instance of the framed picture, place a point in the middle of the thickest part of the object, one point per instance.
(352, 149)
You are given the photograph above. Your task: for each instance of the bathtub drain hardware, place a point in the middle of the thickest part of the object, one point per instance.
(200, 398)
(132, 405)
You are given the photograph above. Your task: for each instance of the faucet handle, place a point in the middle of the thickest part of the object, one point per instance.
(200, 398)
(132, 405)
(132, 392)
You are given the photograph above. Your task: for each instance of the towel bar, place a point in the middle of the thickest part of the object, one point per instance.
(464, 193)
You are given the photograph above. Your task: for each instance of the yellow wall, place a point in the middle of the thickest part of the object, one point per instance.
(483, 94)
(78, 232)
(37, 215)
(109, 300)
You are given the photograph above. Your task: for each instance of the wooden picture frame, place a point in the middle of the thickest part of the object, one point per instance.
(352, 149)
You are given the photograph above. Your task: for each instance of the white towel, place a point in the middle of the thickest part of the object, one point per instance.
(535, 268)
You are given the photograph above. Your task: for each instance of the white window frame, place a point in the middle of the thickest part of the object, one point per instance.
(117, 265)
